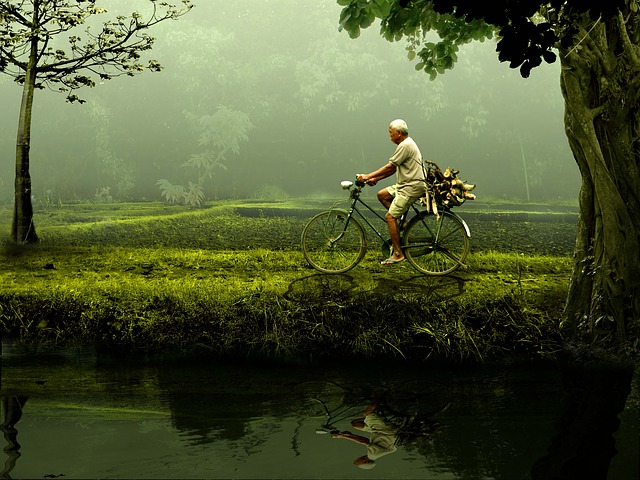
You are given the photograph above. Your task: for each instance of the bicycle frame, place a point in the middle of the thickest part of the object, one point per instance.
(335, 241)
(355, 199)
(347, 411)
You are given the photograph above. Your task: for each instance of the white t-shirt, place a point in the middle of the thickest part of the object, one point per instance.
(383, 438)
(408, 162)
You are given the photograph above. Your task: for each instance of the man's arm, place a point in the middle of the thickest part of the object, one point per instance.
(372, 407)
(380, 174)
(351, 436)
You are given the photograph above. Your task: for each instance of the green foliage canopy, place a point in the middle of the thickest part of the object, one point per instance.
(527, 30)
(415, 24)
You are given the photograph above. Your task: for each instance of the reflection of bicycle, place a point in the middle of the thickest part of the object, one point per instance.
(323, 399)
(333, 402)
(334, 241)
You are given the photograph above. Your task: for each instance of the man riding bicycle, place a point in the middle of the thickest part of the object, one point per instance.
(406, 162)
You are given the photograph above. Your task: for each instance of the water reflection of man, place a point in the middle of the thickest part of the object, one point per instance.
(382, 440)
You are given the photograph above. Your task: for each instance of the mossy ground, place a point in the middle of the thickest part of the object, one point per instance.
(230, 280)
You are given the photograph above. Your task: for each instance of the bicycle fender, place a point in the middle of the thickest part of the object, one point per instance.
(466, 227)
(339, 210)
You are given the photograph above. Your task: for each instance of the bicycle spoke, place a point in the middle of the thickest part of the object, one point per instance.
(443, 237)
(450, 255)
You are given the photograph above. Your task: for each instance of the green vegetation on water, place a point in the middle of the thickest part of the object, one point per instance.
(230, 280)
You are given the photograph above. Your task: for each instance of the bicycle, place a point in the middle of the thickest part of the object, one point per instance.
(412, 405)
(324, 399)
(335, 241)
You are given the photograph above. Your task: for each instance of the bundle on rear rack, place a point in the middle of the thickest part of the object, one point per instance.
(444, 189)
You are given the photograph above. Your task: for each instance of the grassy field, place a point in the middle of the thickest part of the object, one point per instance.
(229, 279)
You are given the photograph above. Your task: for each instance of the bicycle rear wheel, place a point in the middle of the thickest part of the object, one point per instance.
(333, 242)
(436, 245)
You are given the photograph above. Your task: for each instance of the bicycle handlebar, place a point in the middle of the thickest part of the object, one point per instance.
(357, 182)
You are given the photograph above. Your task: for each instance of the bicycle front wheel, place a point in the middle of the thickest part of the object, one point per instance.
(333, 242)
(436, 245)
(315, 398)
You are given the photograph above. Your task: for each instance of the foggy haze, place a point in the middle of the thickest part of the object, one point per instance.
(274, 99)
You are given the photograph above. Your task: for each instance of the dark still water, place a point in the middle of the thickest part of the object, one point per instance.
(83, 415)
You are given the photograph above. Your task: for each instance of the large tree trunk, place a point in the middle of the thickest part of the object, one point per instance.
(22, 227)
(600, 82)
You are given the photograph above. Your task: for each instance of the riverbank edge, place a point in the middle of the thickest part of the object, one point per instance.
(312, 321)
(153, 279)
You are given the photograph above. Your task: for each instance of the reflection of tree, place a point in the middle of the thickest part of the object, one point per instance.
(584, 445)
(212, 403)
(11, 406)
(501, 424)
(482, 441)
(206, 417)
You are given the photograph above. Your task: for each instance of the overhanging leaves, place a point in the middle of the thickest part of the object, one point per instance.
(528, 30)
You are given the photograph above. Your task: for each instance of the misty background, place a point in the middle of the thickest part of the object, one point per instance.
(267, 99)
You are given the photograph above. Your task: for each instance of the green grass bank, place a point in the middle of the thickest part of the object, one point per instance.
(229, 280)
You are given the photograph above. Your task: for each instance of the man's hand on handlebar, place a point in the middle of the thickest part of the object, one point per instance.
(365, 179)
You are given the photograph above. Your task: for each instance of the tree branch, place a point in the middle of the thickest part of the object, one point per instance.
(585, 35)
(7, 55)
(629, 47)
(116, 49)
(82, 61)
(595, 112)
(13, 12)
(594, 49)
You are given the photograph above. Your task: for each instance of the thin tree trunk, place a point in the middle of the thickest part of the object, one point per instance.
(22, 228)
(524, 168)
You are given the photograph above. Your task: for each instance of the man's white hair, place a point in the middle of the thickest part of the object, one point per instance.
(399, 125)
